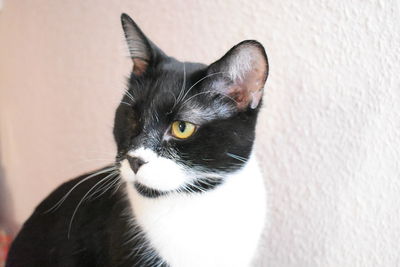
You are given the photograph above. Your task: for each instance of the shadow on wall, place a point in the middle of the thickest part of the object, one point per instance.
(7, 222)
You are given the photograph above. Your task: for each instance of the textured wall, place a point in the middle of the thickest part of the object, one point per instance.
(329, 134)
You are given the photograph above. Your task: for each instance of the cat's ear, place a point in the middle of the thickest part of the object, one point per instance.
(243, 71)
(143, 52)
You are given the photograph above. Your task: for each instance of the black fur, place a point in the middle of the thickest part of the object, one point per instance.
(101, 232)
(95, 225)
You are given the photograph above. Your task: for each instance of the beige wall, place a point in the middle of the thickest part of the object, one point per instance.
(328, 136)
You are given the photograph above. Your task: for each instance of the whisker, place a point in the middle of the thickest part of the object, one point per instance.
(206, 92)
(175, 102)
(205, 77)
(118, 185)
(201, 93)
(61, 201)
(103, 188)
(109, 186)
(122, 102)
(237, 157)
(181, 92)
(83, 199)
(129, 95)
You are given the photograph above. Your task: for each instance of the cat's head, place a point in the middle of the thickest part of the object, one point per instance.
(181, 126)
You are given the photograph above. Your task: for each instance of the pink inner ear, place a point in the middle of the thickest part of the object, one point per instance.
(139, 66)
(248, 89)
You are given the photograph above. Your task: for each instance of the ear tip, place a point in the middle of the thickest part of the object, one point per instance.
(258, 46)
(125, 18)
(258, 51)
(253, 43)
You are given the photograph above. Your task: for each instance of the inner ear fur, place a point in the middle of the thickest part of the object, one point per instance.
(244, 71)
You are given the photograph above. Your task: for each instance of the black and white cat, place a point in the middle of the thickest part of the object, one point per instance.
(185, 191)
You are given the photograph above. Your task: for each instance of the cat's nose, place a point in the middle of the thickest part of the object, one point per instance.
(135, 163)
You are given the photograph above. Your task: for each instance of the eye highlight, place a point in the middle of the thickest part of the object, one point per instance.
(182, 129)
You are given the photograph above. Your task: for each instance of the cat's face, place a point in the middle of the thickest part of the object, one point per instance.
(181, 127)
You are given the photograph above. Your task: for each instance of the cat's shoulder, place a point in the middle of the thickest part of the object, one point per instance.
(69, 193)
(56, 232)
(61, 230)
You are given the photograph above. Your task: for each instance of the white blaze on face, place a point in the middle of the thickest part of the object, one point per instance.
(157, 173)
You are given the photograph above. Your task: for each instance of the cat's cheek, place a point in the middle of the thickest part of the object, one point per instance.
(161, 174)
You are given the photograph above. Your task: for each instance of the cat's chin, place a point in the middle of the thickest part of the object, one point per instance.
(149, 192)
(200, 185)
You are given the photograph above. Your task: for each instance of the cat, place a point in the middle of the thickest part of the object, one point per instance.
(185, 189)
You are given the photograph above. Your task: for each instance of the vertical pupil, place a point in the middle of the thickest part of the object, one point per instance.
(182, 126)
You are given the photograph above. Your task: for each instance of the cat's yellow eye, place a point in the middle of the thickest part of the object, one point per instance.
(182, 129)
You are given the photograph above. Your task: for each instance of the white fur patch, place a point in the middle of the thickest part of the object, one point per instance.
(157, 173)
(219, 228)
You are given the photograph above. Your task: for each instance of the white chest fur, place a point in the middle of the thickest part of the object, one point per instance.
(218, 228)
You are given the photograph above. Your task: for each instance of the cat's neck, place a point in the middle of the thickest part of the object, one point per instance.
(202, 225)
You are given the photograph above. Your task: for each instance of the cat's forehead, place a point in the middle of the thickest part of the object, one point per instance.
(170, 76)
(181, 90)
